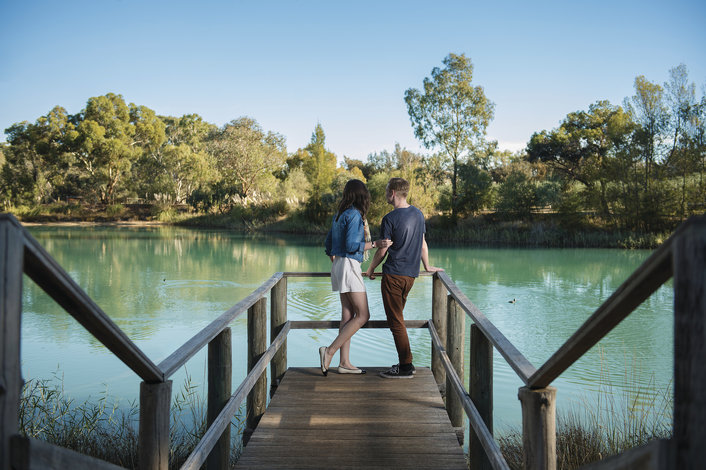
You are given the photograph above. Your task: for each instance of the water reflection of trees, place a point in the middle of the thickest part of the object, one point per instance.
(142, 276)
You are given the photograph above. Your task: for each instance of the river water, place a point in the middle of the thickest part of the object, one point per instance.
(161, 285)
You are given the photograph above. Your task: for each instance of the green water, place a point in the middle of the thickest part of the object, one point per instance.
(162, 285)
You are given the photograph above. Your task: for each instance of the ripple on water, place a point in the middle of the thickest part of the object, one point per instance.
(203, 283)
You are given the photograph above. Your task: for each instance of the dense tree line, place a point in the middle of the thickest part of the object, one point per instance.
(639, 165)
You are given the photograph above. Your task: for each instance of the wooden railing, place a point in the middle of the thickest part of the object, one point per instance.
(683, 255)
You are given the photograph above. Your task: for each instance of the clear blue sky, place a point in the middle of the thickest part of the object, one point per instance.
(291, 64)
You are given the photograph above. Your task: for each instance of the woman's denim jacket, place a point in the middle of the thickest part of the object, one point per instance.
(346, 236)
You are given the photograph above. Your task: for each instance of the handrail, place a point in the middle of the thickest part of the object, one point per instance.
(335, 324)
(643, 282)
(41, 267)
(485, 437)
(208, 441)
(179, 357)
(512, 355)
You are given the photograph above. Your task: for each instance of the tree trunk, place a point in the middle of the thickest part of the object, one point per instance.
(454, 192)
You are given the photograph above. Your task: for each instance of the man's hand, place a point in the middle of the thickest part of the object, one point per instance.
(433, 269)
(383, 243)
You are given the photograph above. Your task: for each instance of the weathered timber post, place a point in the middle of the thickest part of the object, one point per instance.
(539, 427)
(454, 348)
(689, 264)
(153, 446)
(11, 267)
(438, 316)
(278, 317)
(257, 344)
(480, 390)
(220, 376)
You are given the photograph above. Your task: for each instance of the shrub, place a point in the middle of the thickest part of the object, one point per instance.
(114, 210)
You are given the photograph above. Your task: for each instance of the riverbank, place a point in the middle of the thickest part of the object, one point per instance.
(546, 230)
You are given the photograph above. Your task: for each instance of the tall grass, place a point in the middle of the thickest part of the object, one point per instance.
(609, 422)
(106, 431)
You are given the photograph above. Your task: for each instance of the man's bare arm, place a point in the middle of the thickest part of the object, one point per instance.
(377, 259)
(425, 257)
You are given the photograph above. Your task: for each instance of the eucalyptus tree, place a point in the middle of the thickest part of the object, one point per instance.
(37, 158)
(582, 146)
(246, 156)
(647, 109)
(180, 164)
(683, 156)
(108, 142)
(450, 113)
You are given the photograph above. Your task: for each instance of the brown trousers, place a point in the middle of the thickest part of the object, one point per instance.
(394, 296)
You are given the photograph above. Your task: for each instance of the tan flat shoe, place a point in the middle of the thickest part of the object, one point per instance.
(343, 370)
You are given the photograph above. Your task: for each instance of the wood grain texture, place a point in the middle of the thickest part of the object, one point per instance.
(538, 427)
(257, 345)
(480, 390)
(153, 439)
(354, 421)
(438, 315)
(690, 346)
(455, 333)
(11, 262)
(278, 317)
(220, 377)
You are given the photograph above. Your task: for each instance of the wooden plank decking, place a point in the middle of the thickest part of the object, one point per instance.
(354, 421)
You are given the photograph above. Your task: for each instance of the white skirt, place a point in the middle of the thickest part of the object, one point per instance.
(346, 275)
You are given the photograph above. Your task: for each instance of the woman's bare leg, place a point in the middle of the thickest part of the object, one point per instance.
(361, 315)
(346, 316)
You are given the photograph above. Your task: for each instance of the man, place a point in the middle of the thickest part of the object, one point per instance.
(405, 226)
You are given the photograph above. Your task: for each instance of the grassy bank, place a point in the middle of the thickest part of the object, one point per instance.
(541, 230)
(544, 232)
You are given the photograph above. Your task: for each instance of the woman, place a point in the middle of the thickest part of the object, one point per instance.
(346, 244)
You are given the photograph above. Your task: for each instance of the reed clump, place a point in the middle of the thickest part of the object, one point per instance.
(107, 431)
(610, 422)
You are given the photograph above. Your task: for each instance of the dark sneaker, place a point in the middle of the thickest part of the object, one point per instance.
(395, 372)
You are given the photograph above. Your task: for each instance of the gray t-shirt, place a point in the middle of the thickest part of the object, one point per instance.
(406, 228)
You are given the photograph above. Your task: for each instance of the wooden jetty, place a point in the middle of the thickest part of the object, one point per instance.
(314, 421)
(354, 421)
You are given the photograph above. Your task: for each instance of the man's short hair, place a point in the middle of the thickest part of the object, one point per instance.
(399, 185)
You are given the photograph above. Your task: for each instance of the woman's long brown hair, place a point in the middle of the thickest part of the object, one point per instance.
(355, 194)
